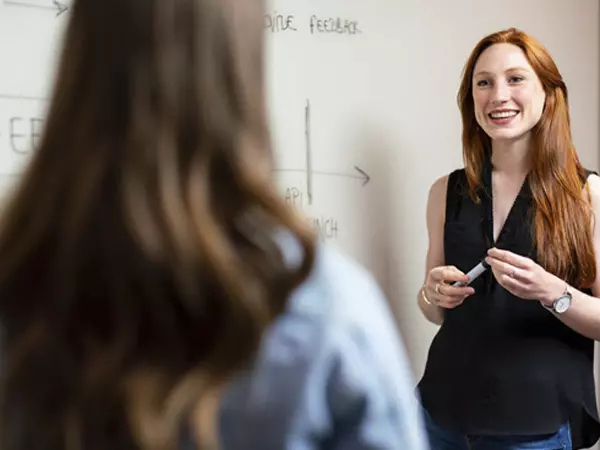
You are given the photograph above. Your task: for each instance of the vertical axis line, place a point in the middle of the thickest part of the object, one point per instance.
(309, 168)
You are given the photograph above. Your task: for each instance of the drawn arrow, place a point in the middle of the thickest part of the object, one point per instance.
(364, 174)
(56, 5)
(359, 175)
(20, 97)
(60, 6)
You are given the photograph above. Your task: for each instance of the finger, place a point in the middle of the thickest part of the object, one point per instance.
(440, 289)
(455, 304)
(437, 273)
(511, 258)
(457, 275)
(452, 274)
(513, 285)
(448, 290)
(502, 268)
(450, 303)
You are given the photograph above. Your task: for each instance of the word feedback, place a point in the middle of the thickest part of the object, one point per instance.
(280, 23)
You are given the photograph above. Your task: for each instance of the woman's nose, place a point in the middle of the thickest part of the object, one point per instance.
(500, 93)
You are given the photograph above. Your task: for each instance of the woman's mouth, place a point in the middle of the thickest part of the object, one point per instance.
(503, 117)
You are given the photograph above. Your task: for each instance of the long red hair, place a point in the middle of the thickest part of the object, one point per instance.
(562, 211)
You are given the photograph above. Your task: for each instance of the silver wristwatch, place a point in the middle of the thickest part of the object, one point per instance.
(562, 303)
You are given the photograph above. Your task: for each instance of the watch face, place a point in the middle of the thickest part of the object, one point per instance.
(562, 304)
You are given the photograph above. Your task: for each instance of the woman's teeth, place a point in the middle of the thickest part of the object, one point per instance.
(503, 114)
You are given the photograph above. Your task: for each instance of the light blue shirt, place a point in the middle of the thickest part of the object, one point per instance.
(331, 374)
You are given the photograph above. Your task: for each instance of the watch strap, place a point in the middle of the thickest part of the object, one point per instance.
(566, 292)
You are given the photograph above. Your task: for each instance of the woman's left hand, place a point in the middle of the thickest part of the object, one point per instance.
(523, 277)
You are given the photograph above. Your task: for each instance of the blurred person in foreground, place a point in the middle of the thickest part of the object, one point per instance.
(155, 290)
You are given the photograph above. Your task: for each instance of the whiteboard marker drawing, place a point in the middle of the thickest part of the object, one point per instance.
(55, 5)
(309, 171)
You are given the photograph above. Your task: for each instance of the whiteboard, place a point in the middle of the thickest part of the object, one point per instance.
(362, 101)
(30, 33)
(330, 107)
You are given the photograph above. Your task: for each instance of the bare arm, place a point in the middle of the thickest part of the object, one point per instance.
(584, 314)
(436, 211)
(437, 294)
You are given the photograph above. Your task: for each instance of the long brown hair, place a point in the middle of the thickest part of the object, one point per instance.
(562, 211)
(140, 255)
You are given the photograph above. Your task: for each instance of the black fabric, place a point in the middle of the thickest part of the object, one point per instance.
(499, 364)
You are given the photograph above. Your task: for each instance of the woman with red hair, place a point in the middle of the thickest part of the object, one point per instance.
(512, 364)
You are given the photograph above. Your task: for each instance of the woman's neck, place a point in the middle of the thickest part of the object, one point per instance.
(512, 157)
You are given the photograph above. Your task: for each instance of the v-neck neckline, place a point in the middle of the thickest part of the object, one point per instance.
(513, 214)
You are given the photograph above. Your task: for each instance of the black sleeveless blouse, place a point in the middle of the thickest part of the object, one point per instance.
(501, 365)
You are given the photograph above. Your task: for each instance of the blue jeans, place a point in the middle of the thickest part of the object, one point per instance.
(444, 439)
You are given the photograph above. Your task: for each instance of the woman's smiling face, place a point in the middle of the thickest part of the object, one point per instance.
(507, 93)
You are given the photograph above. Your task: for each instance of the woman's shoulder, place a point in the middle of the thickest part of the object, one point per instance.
(334, 349)
(338, 295)
(338, 289)
(455, 178)
(593, 180)
(593, 183)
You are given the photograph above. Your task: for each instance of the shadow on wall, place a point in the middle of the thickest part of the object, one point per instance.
(381, 230)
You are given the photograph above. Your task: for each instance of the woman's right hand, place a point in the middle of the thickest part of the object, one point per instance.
(439, 290)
